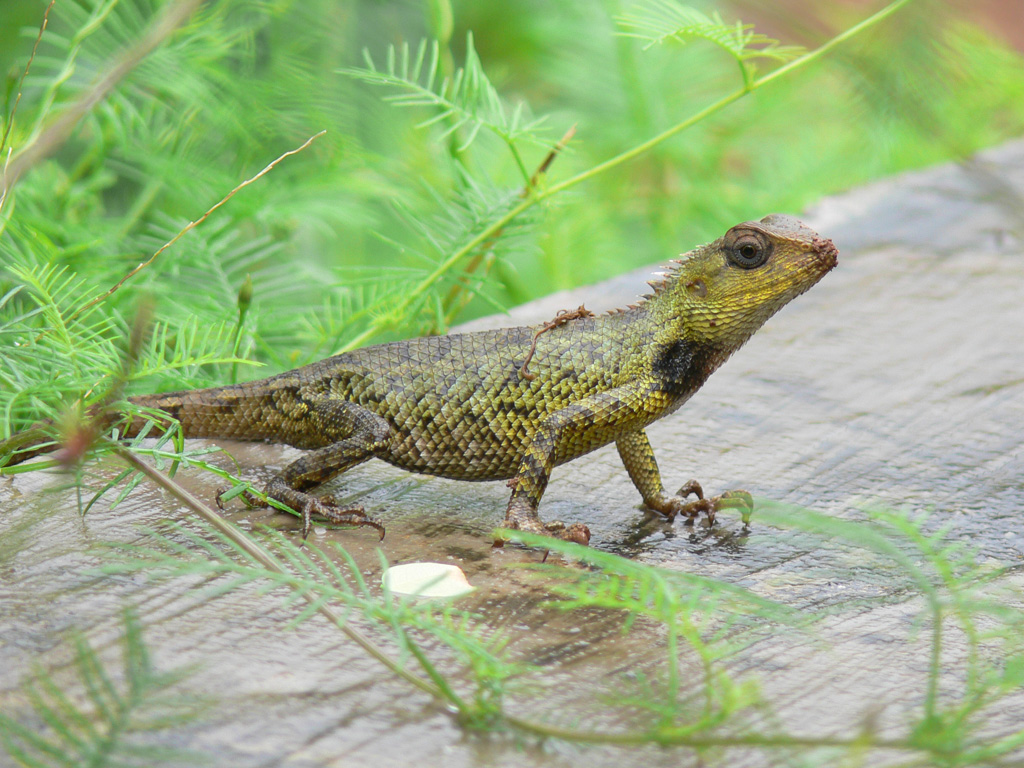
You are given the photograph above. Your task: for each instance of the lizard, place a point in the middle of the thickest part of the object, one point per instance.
(464, 405)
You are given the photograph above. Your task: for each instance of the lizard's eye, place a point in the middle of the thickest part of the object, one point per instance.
(747, 248)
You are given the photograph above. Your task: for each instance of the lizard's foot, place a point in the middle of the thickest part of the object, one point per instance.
(527, 520)
(328, 509)
(577, 532)
(671, 507)
(325, 507)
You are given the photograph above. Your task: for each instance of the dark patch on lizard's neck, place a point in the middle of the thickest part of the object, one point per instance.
(682, 366)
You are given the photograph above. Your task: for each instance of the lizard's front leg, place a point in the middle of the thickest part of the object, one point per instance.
(571, 431)
(527, 489)
(531, 479)
(638, 458)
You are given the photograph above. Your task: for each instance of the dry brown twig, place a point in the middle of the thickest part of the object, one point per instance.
(555, 151)
(193, 224)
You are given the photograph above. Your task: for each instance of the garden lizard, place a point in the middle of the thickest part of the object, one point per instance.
(465, 406)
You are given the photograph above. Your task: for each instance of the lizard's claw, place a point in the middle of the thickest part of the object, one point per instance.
(691, 486)
(328, 509)
(691, 510)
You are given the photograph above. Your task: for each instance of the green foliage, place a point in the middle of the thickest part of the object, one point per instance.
(960, 598)
(706, 625)
(658, 21)
(465, 100)
(701, 625)
(99, 721)
(400, 221)
(706, 617)
(58, 347)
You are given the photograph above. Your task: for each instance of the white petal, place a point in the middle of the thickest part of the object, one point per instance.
(427, 580)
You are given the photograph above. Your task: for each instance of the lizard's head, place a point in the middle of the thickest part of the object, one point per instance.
(730, 287)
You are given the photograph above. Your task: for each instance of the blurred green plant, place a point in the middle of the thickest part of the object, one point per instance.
(960, 597)
(101, 720)
(659, 21)
(465, 100)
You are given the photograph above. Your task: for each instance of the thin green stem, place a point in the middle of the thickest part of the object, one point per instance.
(667, 738)
(839, 39)
(395, 315)
(519, 161)
(725, 101)
(444, 689)
(746, 73)
(935, 661)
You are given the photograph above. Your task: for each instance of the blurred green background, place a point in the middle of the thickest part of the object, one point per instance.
(333, 236)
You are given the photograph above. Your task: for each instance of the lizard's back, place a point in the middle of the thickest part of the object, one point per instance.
(458, 405)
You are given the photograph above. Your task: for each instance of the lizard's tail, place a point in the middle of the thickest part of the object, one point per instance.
(238, 412)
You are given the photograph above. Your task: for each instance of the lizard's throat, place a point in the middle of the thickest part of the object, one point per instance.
(680, 367)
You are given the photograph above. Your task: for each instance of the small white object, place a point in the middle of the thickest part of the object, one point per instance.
(427, 580)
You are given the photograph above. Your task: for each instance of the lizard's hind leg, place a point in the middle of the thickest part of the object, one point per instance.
(361, 435)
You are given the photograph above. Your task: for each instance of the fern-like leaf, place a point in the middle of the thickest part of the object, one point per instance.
(659, 21)
(465, 100)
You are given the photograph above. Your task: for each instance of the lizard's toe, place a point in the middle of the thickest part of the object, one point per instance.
(248, 498)
(578, 533)
(693, 509)
(252, 501)
(678, 505)
(355, 515)
(327, 509)
(691, 486)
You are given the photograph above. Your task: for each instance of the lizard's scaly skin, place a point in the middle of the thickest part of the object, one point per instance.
(459, 406)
